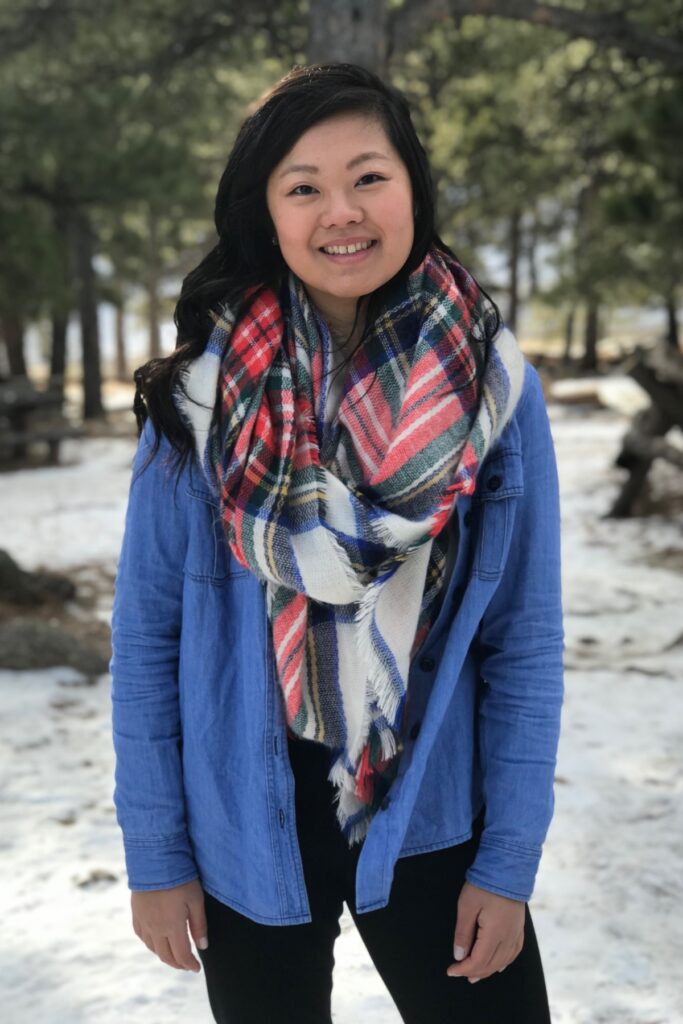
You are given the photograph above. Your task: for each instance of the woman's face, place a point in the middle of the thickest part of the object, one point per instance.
(342, 184)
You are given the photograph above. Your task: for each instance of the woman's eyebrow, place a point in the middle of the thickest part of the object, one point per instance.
(365, 156)
(310, 169)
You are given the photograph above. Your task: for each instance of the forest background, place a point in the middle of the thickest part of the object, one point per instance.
(555, 130)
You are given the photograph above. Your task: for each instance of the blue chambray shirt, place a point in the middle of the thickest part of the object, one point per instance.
(204, 786)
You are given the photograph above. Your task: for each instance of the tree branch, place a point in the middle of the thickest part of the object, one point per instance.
(415, 16)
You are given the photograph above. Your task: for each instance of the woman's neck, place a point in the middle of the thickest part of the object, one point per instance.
(342, 326)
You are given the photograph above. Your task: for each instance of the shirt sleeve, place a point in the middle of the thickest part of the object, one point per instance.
(146, 622)
(521, 641)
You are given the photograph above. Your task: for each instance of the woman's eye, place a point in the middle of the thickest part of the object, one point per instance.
(295, 191)
(377, 177)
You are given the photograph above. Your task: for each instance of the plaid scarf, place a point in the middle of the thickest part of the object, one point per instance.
(340, 510)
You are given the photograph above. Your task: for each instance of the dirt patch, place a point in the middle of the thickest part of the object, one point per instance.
(667, 558)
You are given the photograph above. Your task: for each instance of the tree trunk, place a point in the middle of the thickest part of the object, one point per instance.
(87, 304)
(60, 323)
(153, 277)
(672, 321)
(514, 253)
(13, 334)
(348, 30)
(531, 252)
(121, 362)
(63, 303)
(590, 351)
(569, 335)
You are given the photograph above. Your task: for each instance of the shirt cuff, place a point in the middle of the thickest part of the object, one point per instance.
(505, 868)
(159, 863)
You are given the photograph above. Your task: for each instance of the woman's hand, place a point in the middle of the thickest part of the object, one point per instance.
(489, 933)
(160, 919)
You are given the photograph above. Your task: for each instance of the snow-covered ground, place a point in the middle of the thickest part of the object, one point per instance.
(608, 903)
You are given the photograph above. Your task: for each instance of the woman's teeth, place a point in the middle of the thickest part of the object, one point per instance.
(343, 250)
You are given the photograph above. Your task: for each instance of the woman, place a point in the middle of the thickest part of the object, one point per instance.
(337, 668)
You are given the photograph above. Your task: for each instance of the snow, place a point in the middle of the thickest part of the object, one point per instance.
(607, 905)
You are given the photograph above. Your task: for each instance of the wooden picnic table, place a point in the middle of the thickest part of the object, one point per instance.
(30, 415)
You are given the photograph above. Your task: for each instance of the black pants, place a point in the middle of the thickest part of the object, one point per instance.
(271, 974)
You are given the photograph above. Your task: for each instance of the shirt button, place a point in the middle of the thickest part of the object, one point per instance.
(415, 730)
(385, 803)
(281, 816)
(427, 664)
(494, 482)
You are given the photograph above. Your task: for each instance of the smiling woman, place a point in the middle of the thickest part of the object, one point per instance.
(337, 639)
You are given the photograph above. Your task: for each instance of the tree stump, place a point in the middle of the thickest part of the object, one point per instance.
(660, 373)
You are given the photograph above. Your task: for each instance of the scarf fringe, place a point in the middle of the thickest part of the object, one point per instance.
(387, 739)
(379, 678)
(387, 536)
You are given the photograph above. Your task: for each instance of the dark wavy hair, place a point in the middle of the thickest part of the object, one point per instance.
(244, 256)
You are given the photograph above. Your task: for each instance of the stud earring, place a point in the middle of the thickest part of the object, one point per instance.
(275, 241)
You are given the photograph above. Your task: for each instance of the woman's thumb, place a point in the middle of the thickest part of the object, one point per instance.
(197, 922)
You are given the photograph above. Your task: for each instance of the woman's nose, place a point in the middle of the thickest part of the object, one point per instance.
(341, 209)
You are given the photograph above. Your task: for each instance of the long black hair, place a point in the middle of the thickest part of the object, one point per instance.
(244, 256)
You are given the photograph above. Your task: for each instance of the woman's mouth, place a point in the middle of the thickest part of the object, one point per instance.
(353, 252)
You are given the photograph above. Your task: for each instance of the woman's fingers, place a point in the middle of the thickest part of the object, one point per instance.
(162, 948)
(506, 955)
(485, 956)
(478, 964)
(516, 950)
(173, 950)
(182, 952)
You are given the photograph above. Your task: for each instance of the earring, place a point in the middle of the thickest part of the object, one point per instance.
(275, 241)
